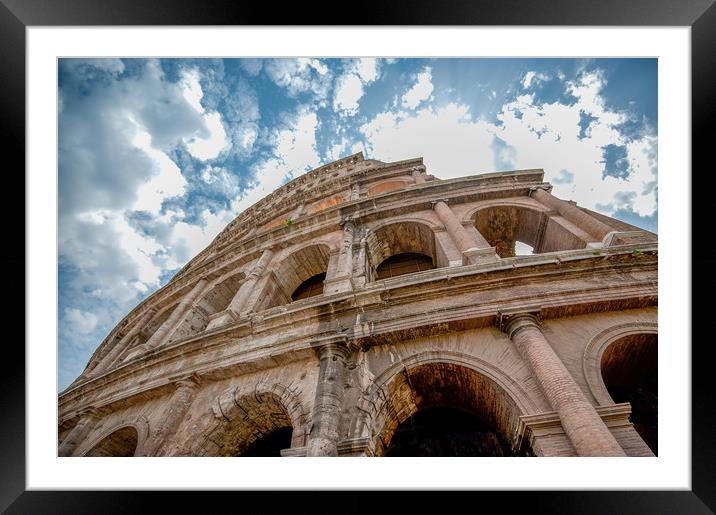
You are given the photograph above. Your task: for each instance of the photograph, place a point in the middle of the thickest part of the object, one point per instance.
(310, 256)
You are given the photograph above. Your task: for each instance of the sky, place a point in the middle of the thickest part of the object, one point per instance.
(157, 156)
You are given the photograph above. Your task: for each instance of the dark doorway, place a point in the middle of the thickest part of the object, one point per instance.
(629, 369)
(270, 445)
(401, 264)
(121, 443)
(446, 432)
(310, 287)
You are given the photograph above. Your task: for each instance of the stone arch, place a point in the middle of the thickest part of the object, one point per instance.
(594, 352)
(621, 365)
(403, 236)
(391, 184)
(117, 439)
(393, 397)
(216, 298)
(244, 415)
(296, 267)
(504, 222)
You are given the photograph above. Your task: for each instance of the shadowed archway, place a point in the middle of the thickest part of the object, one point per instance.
(629, 368)
(120, 443)
(445, 409)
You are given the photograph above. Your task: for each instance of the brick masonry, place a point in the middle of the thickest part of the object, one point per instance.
(220, 357)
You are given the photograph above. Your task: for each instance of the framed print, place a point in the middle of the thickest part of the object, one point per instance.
(361, 288)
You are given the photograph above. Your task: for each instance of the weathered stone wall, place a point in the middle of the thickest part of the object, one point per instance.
(220, 357)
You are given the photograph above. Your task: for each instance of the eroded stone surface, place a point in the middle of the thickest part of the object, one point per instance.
(221, 362)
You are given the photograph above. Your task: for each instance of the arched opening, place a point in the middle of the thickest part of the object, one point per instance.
(445, 432)
(411, 245)
(306, 266)
(446, 409)
(121, 443)
(518, 231)
(401, 264)
(270, 445)
(504, 226)
(253, 424)
(629, 369)
(216, 300)
(310, 287)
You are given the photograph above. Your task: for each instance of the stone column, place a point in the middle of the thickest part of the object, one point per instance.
(324, 435)
(88, 419)
(584, 427)
(124, 343)
(355, 191)
(177, 315)
(182, 398)
(240, 300)
(418, 175)
(473, 246)
(587, 223)
(362, 269)
(340, 274)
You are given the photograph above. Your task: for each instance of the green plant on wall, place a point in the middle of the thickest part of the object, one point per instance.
(288, 222)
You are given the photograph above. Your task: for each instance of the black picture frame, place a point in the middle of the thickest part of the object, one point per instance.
(700, 15)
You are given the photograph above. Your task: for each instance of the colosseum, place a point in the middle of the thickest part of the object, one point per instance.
(371, 309)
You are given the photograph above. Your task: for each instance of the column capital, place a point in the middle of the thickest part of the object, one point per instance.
(347, 222)
(543, 187)
(336, 344)
(192, 380)
(434, 203)
(510, 320)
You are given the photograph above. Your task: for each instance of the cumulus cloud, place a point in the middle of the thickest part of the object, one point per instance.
(350, 86)
(452, 143)
(529, 133)
(533, 78)
(207, 146)
(83, 321)
(301, 75)
(421, 90)
(549, 136)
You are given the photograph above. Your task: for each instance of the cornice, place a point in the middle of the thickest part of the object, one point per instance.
(375, 297)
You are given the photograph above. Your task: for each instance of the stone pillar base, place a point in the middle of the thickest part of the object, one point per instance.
(475, 256)
(337, 285)
(222, 318)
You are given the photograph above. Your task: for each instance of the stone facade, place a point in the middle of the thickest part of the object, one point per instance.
(549, 352)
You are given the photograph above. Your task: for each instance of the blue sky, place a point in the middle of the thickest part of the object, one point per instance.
(157, 156)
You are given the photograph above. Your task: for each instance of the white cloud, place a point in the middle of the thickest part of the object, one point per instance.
(209, 147)
(83, 322)
(547, 136)
(536, 135)
(350, 86)
(533, 78)
(349, 89)
(420, 91)
(212, 146)
(191, 89)
(190, 239)
(300, 75)
(167, 183)
(367, 69)
(451, 143)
